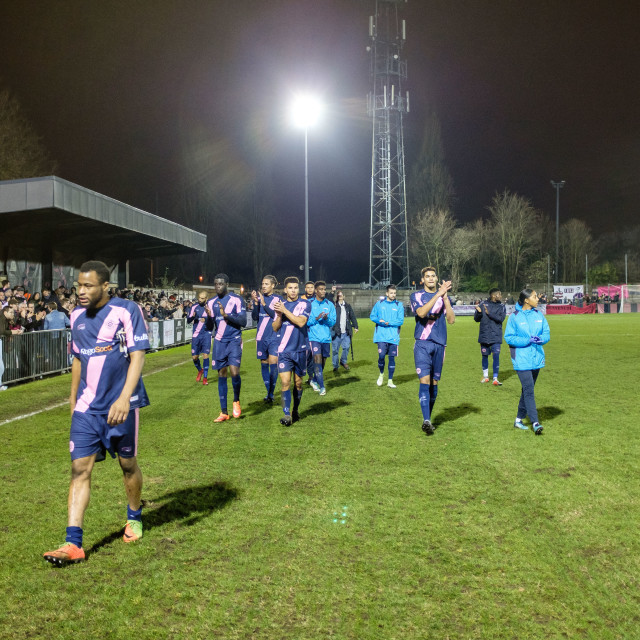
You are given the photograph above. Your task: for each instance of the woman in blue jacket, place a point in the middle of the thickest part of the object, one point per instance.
(527, 330)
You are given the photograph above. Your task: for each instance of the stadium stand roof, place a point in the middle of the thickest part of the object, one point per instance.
(40, 213)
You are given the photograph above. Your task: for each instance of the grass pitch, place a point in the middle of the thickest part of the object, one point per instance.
(352, 523)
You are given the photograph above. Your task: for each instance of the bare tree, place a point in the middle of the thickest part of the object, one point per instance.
(431, 232)
(575, 237)
(463, 244)
(430, 185)
(262, 239)
(514, 224)
(22, 154)
(483, 259)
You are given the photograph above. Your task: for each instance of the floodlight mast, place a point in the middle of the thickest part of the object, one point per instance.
(557, 186)
(305, 112)
(389, 249)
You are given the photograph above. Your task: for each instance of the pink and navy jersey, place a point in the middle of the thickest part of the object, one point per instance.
(266, 314)
(434, 326)
(101, 340)
(292, 338)
(229, 328)
(198, 315)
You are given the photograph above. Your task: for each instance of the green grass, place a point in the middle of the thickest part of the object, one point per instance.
(480, 531)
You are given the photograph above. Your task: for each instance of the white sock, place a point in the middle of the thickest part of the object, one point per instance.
(485, 373)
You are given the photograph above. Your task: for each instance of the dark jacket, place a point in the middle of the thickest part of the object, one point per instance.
(490, 322)
(5, 331)
(352, 322)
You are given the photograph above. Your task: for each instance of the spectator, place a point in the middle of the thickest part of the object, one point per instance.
(163, 312)
(342, 331)
(55, 319)
(37, 300)
(7, 328)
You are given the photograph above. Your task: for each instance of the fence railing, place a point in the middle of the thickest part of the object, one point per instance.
(27, 356)
(32, 355)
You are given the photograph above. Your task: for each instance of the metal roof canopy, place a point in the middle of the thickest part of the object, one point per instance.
(45, 213)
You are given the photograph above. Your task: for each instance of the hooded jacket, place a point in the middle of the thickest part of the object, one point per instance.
(521, 327)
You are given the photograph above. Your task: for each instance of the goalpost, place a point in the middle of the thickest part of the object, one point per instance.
(629, 294)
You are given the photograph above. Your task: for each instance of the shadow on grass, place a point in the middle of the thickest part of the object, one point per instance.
(449, 414)
(548, 413)
(334, 383)
(190, 505)
(403, 379)
(322, 407)
(352, 364)
(505, 375)
(260, 406)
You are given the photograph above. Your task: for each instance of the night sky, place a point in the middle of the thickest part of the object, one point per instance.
(136, 99)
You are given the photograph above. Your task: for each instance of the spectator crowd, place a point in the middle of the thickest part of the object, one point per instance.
(23, 311)
(26, 311)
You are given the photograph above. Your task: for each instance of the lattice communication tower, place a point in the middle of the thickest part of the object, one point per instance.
(387, 104)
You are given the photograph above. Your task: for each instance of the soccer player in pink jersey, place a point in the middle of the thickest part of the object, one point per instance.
(266, 339)
(199, 315)
(433, 311)
(230, 316)
(109, 340)
(290, 324)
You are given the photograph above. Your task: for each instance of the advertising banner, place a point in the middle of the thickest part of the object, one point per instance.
(154, 335)
(168, 334)
(556, 309)
(567, 293)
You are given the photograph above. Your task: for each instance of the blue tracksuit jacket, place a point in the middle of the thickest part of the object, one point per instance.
(320, 330)
(391, 313)
(521, 326)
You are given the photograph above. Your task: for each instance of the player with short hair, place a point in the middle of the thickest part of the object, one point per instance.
(290, 324)
(433, 311)
(229, 316)
(200, 316)
(490, 314)
(388, 316)
(309, 294)
(266, 339)
(322, 318)
(108, 341)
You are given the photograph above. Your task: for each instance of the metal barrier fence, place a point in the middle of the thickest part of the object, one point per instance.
(35, 354)
(27, 356)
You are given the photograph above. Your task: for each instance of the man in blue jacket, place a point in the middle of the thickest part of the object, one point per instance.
(322, 318)
(490, 314)
(388, 316)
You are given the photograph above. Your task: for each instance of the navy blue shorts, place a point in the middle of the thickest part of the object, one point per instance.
(226, 354)
(321, 349)
(266, 348)
(486, 349)
(429, 358)
(296, 362)
(201, 344)
(91, 434)
(387, 349)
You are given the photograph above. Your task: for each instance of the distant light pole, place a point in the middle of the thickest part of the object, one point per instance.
(557, 186)
(305, 112)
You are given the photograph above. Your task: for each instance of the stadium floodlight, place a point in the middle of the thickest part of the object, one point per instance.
(557, 186)
(305, 112)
